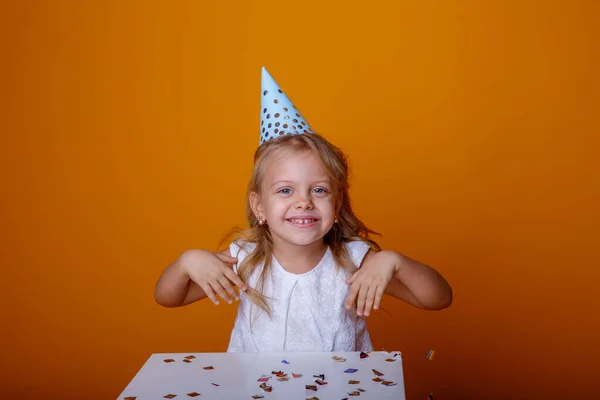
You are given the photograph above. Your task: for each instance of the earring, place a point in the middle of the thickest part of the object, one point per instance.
(336, 220)
(260, 221)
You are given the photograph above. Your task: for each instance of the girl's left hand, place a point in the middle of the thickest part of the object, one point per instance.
(370, 281)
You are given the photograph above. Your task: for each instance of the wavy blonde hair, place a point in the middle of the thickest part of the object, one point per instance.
(349, 227)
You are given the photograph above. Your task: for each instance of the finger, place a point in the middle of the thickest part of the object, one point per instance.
(226, 258)
(352, 278)
(226, 284)
(237, 281)
(216, 286)
(209, 292)
(378, 297)
(352, 295)
(360, 304)
(369, 300)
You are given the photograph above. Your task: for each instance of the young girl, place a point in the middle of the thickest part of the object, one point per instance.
(307, 271)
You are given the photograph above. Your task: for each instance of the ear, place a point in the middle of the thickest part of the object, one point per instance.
(255, 204)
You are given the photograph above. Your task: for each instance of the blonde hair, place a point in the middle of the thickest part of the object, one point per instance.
(348, 228)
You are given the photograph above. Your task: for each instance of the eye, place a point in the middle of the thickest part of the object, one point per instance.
(320, 190)
(284, 191)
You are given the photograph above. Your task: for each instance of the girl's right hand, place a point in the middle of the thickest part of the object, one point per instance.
(213, 273)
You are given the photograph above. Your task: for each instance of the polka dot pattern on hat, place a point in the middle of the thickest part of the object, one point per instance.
(278, 115)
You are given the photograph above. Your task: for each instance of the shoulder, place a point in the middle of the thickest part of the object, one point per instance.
(358, 250)
(239, 247)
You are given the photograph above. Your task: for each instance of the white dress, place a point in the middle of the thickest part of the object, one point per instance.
(308, 312)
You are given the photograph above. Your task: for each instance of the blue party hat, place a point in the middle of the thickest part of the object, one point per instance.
(278, 116)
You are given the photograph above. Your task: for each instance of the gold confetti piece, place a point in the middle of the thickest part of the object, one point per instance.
(258, 396)
(190, 357)
(130, 398)
(209, 368)
(312, 398)
(187, 361)
(311, 387)
(388, 383)
(355, 393)
(353, 382)
(169, 360)
(338, 359)
(377, 379)
(361, 390)
(296, 375)
(390, 360)
(193, 394)
(283, 378)
(320, 382)
(377, 373)
(170, 396)
(430, 354)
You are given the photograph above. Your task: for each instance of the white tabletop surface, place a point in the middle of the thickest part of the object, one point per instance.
(237, 375)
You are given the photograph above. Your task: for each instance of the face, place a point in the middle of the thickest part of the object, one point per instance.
(296, 199)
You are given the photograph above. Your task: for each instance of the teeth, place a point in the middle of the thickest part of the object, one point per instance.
(302, 221)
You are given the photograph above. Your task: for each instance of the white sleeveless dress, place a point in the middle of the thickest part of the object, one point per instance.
(308, 312)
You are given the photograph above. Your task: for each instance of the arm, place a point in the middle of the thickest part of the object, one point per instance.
(413, 282)
(174, 287)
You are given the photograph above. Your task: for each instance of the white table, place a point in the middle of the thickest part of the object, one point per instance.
(237, 375)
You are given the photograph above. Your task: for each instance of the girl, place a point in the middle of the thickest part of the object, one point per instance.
(306, 269)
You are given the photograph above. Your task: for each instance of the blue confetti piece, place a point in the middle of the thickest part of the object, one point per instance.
(285, 361)
(350, 370)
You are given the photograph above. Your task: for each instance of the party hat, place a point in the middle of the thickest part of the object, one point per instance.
(278, 116)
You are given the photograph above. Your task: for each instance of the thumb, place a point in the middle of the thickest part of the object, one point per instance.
(225, 258)
(350, 280)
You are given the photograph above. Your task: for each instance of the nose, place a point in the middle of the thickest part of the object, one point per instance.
(304, 202)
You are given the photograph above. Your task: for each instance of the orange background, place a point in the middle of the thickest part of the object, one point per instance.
(127, 135)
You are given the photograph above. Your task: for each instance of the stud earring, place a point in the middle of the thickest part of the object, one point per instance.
(336, 220)
(260, 221)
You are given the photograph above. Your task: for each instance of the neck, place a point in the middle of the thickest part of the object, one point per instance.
(298, 259)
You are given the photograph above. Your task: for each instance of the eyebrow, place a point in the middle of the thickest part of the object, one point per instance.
(288, 182)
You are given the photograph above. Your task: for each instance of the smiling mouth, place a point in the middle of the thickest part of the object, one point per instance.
(302, 220)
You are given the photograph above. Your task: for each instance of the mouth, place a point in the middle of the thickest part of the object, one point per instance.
(302, 221)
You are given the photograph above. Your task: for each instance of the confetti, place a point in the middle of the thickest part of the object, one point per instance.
(338, 359)
(187, 361)
(278, 373)
(130, 398)
(215, 384)
(311, 387)
(190, 357)
(322, 376)
(258, 396)
(350, 370)
(353, 382)
(169, 396)
(355, 393)
(363, 355)
(193, 394)
(390, 360)
(312, 398)
(296, 375)
(388, 383)
(377, 373)
(283, 378)
(285, 361)
(264, 379)
(265, 387)
(320, 382)
(361, 390)
(169, 360)
(209, 368)
(377, 379)
(430, 354)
